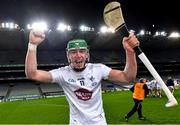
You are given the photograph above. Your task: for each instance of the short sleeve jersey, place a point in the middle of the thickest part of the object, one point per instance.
(83, 90)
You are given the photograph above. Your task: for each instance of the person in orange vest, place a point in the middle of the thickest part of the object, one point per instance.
(140, 90)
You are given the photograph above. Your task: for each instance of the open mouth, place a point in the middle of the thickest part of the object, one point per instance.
(78, 65)
(78, 62)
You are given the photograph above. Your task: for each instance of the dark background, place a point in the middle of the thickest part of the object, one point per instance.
(137, 13)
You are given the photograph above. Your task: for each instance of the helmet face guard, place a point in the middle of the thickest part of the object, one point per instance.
(77, 44)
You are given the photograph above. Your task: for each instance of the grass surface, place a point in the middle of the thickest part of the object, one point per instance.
(116, 105)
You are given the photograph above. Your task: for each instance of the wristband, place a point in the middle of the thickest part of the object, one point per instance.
(32, 46)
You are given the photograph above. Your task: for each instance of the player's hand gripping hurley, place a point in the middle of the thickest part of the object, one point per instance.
(113, 18)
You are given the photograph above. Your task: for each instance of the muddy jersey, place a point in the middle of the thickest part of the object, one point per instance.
(83, 91)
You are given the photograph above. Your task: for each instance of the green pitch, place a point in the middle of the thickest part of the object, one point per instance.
(116, 105)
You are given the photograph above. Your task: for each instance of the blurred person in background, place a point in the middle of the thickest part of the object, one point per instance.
(140, 91)
(170, 84)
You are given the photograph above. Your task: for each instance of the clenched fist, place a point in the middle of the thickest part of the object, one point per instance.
(36, 37)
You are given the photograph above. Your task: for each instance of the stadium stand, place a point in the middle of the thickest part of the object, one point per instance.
(23, 91)
(3, 90)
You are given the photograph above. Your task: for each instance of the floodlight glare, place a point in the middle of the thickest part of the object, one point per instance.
(63, 27)
(11, 25)
(174, 35)
(142, 32)
(103, 29)
(7, 25)
(39, 26)
(3, 25)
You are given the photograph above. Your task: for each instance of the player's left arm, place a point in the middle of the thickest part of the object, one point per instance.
(130, 70)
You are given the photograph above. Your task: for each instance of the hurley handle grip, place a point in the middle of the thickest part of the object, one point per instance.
(125, 33)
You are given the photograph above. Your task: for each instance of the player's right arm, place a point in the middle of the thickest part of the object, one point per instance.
(35, 38)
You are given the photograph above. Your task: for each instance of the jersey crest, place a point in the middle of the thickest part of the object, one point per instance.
(83, 94)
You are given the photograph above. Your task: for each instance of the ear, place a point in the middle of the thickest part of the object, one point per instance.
(67, 55)
(87, 56)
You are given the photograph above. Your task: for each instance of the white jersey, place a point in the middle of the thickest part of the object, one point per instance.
(83, 92)
(155, 84)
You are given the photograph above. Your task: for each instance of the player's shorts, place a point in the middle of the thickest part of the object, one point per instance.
(171, 87)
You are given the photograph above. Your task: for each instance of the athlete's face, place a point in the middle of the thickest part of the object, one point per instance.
(78, 57)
